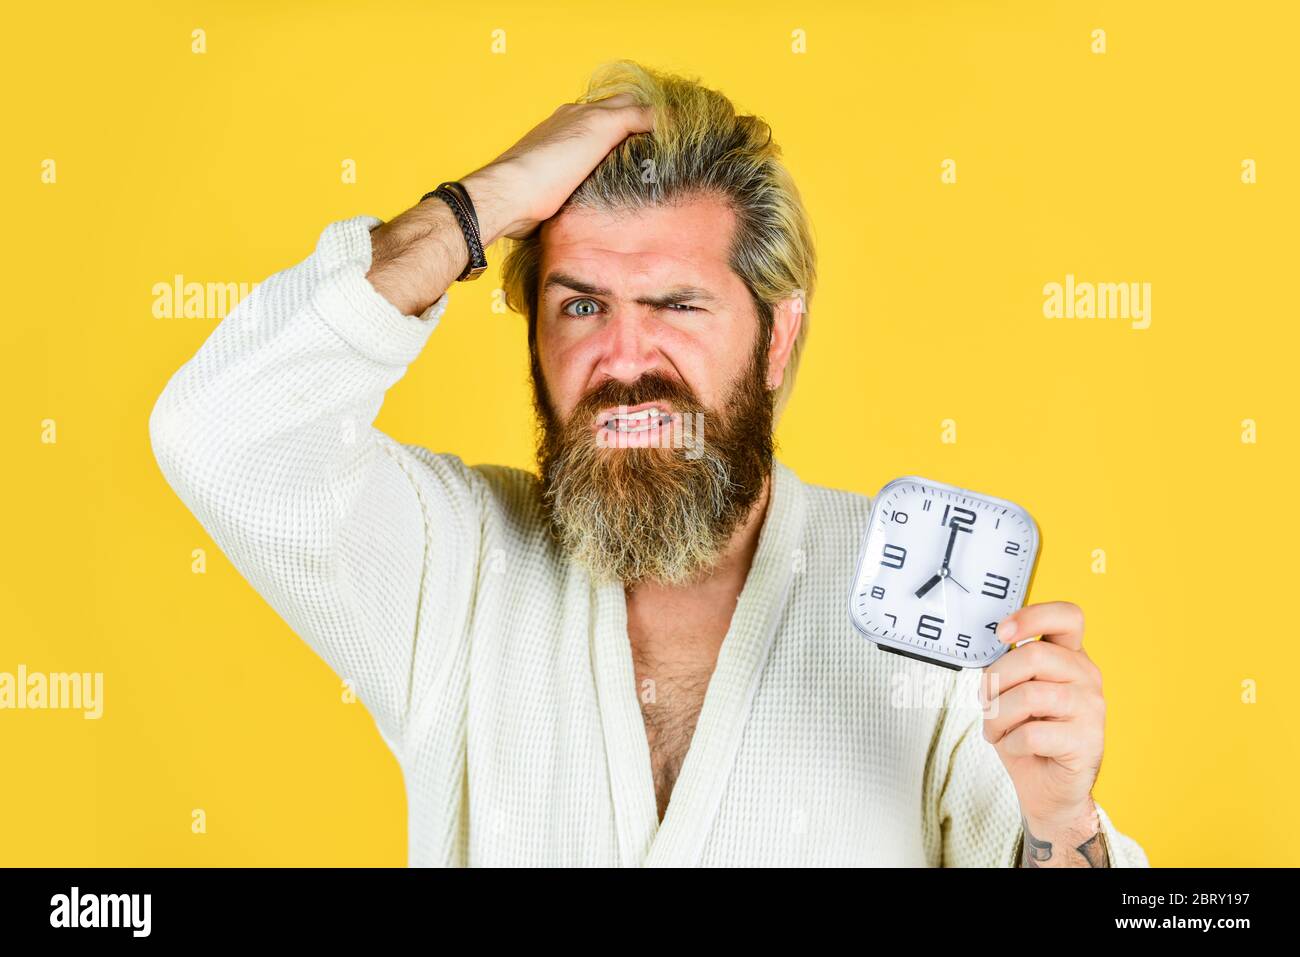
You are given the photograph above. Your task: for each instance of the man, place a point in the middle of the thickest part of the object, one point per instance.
(642, 655)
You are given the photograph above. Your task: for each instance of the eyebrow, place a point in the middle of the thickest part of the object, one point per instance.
(676, 294)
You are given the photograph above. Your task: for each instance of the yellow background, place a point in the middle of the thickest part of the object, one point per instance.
(225, 166)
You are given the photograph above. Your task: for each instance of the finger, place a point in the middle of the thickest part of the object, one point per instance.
(1038, 660)
(1060, 622)
(625, 118)
(615, 100)
(621, 101)
(1046, 739)
(643, 120)
(1033, 699)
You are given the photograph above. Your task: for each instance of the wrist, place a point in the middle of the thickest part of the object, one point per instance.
(1081, 820)
(1071, 839)
(416, 255)
(491, 206)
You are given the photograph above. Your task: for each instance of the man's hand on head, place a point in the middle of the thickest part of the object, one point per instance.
(418, 255)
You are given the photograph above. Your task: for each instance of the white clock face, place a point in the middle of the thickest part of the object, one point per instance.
(940, 567)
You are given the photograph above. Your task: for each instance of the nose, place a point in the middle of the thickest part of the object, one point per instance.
(628, 347)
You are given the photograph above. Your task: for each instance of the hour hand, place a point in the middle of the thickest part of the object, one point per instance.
(920, 592)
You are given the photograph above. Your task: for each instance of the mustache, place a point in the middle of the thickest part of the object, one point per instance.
(650, 387)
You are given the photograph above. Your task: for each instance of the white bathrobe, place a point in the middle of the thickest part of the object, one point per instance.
(502, 679)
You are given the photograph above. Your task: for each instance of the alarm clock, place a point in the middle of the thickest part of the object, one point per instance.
(939, 568)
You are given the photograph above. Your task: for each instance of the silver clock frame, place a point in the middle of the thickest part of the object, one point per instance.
(910, 651)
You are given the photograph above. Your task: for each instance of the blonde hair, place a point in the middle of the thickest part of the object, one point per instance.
(699, 144)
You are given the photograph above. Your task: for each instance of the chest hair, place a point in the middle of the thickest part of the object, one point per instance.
(671, 693)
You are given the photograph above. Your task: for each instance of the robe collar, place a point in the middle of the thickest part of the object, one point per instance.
(697, 794)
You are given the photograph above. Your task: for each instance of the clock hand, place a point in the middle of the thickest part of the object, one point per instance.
(952, 540)
(943, 569)
(920, 592)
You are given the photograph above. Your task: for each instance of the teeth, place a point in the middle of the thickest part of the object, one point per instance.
(641, 421)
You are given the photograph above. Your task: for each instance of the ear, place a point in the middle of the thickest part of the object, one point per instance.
(787, 317)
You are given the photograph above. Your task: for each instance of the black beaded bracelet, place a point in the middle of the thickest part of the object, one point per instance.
(457, 197)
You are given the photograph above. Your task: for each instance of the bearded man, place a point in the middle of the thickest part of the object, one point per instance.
(641, 655)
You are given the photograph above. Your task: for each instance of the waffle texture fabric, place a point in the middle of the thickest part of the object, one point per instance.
(502, 678)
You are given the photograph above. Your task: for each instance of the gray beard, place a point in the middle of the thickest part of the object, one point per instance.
(655, 514)
(630, 518)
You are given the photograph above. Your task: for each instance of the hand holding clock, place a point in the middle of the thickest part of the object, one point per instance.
(1048, 728)
(1048, 724)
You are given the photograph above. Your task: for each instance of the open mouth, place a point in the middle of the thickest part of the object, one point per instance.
(634, 419)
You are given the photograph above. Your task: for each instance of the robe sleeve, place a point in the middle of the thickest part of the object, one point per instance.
(266, 435)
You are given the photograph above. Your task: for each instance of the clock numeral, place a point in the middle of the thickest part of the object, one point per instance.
(995, 586)
(928, 627)
(894, 553)
(992, 626)
(963, 641)
(925, 507)
(1013, 548)
(960, 516)
(899, 517)
(893, 620)
(877, 591)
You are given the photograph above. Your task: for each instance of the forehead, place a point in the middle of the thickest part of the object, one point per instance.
(688, 241)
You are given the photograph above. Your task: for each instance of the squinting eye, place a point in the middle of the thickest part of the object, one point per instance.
(576, 302)
(680, 307)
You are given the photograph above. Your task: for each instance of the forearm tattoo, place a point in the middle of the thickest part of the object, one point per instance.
(1037, 852)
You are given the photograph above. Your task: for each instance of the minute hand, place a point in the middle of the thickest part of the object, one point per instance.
(947, 557)
(952, 540)
(943, 570)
